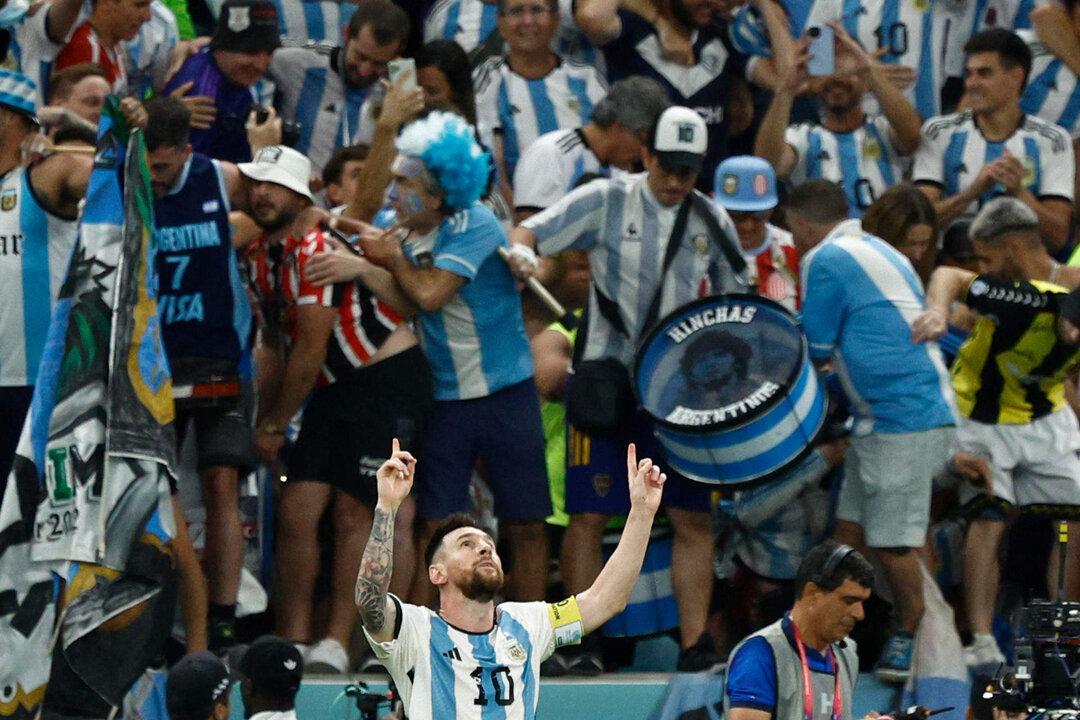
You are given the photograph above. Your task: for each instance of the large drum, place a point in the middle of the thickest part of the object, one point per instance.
(728, 381)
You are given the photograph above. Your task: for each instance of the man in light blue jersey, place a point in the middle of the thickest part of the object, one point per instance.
(473, 658)
(322, 88)
(860, 152)
(36, 35)
(530, 90)
(474, 336)
(626, 224)
(38, 223)
(613, 137)
(860, 297)
(993, 148)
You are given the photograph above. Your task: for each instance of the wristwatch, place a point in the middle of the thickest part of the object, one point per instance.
(272, 428)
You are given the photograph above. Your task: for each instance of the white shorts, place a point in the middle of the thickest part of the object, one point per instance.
(1033, 463)
(887, 482)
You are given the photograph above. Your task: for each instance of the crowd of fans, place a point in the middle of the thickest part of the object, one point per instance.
(330, 277)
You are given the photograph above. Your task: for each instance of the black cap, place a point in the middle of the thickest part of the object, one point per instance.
(194, 684)
(1069, 307)
(273, 660)
(247, 26)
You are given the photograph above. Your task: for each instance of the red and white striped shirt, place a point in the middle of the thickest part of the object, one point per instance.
(276, 274)
(774, 268)
(86, 46)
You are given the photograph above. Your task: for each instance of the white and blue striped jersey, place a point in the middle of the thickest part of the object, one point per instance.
(550, 166)
(864, 162)
(302, 21)
(775, 524)
(1053, 92)
(626, 231)
(476, 343)
(917, 34)
(470, 22)
(32, 50)
(35, 249)
(521, 110)
(953, 151)
(466, 22)
(313, 92)
(1009, 14)
(447, 673)
(747, 31)
(148, 52)
(860, 297)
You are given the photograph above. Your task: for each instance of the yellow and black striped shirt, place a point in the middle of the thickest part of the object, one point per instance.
(1013, 367)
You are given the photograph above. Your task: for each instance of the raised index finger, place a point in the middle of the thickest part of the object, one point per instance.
(631, 459)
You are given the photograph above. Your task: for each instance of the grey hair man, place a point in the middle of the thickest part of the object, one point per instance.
(613, 137)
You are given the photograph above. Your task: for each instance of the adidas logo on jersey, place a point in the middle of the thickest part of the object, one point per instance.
(453, 654)
(823, 155)
(331, 108)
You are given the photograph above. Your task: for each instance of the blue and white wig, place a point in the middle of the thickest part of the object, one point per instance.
(447, 145)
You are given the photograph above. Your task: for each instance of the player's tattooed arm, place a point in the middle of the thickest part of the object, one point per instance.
(377, 611)
(373, 581)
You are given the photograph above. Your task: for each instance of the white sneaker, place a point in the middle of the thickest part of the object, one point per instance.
(984, 652)
(326, 656)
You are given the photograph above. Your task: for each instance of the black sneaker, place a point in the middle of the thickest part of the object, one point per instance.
(586, 663)
(700, 656)
(222, 636)
(554, 666)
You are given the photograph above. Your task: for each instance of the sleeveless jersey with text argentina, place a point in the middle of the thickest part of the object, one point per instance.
(202, 302)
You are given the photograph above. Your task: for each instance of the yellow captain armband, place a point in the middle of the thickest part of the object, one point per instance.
(566, 621)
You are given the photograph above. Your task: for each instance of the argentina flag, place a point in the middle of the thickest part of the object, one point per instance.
(86, 516)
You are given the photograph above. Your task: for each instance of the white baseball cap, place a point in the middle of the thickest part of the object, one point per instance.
(681, 139)
(281, 165)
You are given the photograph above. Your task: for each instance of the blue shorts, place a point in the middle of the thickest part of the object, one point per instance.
(504, 431)
(596, 472)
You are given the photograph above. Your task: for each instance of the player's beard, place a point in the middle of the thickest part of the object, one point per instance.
(482, 587)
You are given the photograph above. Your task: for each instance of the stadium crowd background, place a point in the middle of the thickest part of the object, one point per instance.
(559, 94)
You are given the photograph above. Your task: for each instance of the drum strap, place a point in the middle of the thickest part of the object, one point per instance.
(609, 309)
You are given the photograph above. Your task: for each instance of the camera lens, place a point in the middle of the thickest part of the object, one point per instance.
(815, 31)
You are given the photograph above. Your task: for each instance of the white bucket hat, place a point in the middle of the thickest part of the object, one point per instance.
(280, 165)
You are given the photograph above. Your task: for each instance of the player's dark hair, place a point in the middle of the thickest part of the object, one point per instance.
(447, 526)
(336, 164)
(818, 201)
(829, 564)
(169, 123)
(1011, 50)
(388, 22)
(447, 57)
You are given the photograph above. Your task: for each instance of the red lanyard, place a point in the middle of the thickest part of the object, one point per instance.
(808, 686)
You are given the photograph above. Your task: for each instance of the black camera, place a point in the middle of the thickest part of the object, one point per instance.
(290, 129)
(1047, 656)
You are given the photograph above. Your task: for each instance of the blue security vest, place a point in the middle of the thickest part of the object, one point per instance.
(202, 303)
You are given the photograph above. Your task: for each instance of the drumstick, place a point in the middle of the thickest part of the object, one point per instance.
(72, 149)
(566, 318)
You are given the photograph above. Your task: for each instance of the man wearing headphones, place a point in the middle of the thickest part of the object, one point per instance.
(802, 666)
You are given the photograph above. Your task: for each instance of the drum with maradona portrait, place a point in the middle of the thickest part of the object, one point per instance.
(729, 383)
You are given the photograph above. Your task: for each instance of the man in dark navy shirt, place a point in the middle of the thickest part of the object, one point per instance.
(230, 71)
(206, 326)
(633, 46)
